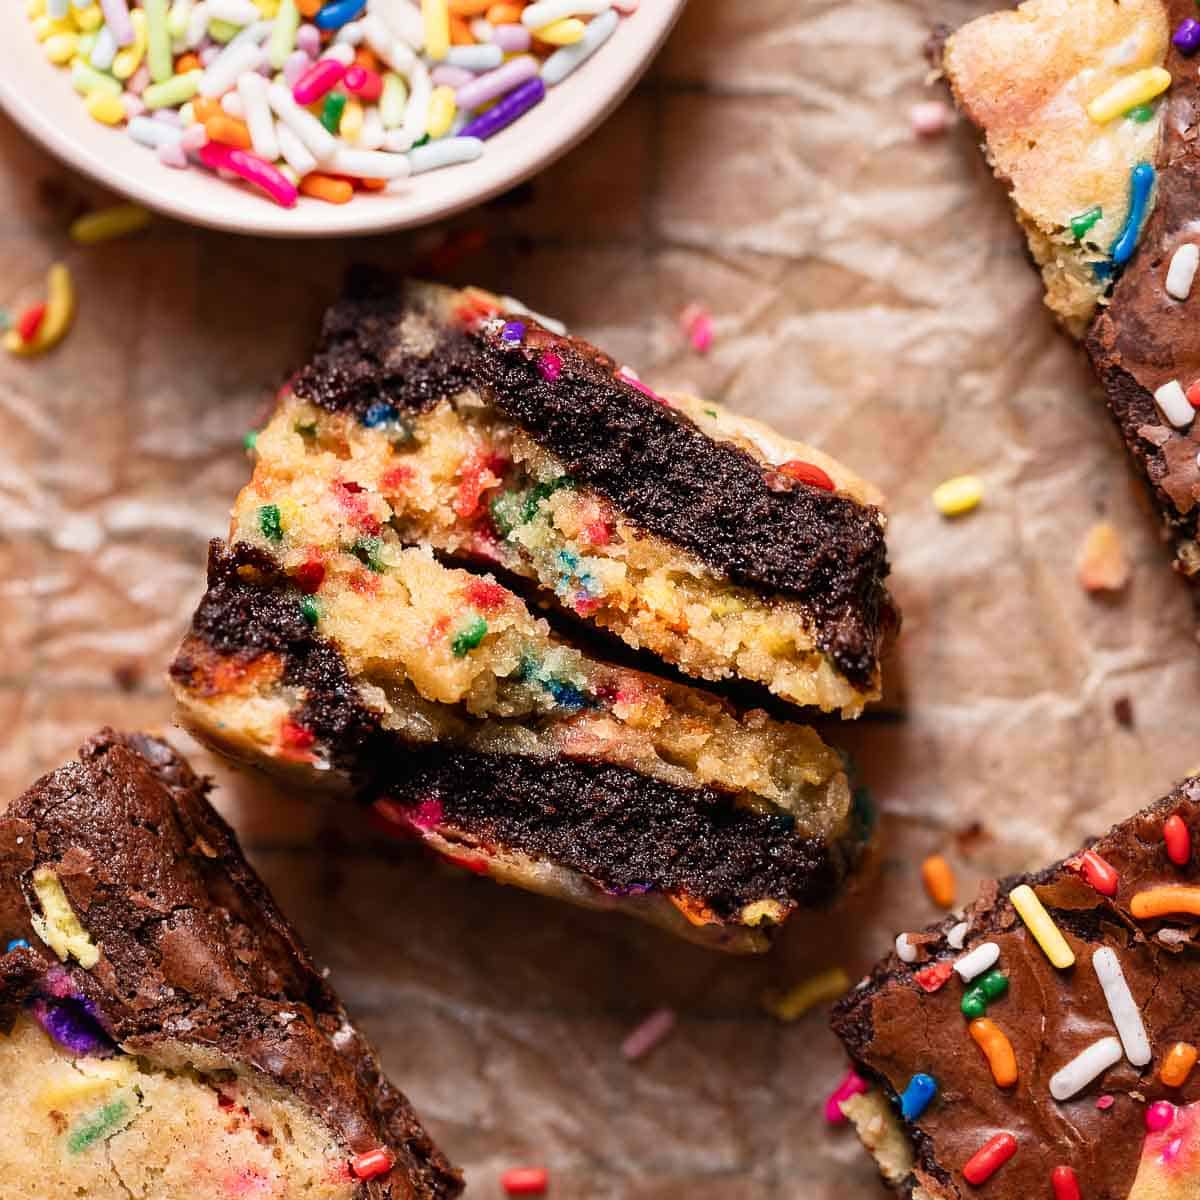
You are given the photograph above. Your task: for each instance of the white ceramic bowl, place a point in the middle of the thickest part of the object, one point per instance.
(39, 97)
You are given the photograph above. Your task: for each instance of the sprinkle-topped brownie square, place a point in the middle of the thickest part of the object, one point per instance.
(163, 1033)
(1043, 1044)
(1090, 115)
(445, 474)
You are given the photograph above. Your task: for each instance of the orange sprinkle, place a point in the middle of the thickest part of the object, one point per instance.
(308, 8)
(460, 32)
(364, 56)
(1164, 901)
(994, 1043)
(205, 107)
(469, 8)
(371, 185)
(186, 62)
(938, 877)
(327, 188)
(221, 127)
(1178, 1064)
(505, 14)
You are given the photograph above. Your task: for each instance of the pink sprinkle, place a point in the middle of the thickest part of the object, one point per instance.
(294, 66)
(427, 813)
(550, 366)
(512, 38)
(929, 118)
(449, 76)
(697, 327)
(172, 154)
(852, 1085)
(323, 76)
(648, 1034)
(1104, 1102)
(1159, 1116)
(193, 137)
(308, 39)
(252, 169)
(133, 106)
(1171, 1150)
(630, 376)
(138, 81)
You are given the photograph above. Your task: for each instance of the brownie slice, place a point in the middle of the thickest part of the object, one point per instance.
(163, 1032)
(1128, 1130)
(1107, 205)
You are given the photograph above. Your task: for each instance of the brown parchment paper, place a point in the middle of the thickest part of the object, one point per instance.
(870, 295)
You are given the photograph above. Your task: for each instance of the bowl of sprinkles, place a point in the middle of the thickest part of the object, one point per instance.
(309, 118)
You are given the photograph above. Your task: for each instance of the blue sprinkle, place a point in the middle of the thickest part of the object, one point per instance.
(567, 560)
(917, 1096)
(565, 694)
(379, 414)
(513, 332)
(334, 16)
(1141, 180)
(16, 944)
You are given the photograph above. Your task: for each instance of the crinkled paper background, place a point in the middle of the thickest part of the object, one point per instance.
(870, 295)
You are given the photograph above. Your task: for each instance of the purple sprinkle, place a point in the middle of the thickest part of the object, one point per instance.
(1187, 37)
(512, 38)
(69, 1023)
(116, 17)
(450, 76)
(514, 331)
(500, 116)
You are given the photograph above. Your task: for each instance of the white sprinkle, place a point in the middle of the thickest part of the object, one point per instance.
(416, 114)
(368, 164)
(929, 118)
(397, 54)
(372, 133)
(565, 60)
(235, 12)
(648, 1034)
(197, 26)
(1121, 1004)
(957, 934)
(221, 74)
(301, 122)
(152, 133)
(481, 30)
(231, 103)
(537, 16)
(475, 58)
(340, 51)
(105, 49)
(1181, 272)
(984, 956)
(445, 152)
(1174, 404)
(1084, 1067)
(906, 952)
(295, 153)
(350, 34)
(252, 90)
(402, 18)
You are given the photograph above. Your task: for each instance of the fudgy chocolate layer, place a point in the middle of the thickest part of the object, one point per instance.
(757, 527)
(194, 949)
(618, 827)
(893, 1028)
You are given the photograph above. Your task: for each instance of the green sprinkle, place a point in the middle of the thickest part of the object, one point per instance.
(974, 1003)
(269, 523)
(711, 412)
(994, 984)
(311, 609)
(425, 137)
(223, 31)
(101, 1123)
(469, 638)
(331, 114)
(540, 492)
(366, 550)
(1082, 223)
(249, 441)
(306, 429)
(1140, 113)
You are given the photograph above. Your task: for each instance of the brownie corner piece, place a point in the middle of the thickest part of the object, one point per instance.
(161, 1024)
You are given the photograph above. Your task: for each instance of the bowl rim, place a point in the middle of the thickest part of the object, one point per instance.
(512, 157)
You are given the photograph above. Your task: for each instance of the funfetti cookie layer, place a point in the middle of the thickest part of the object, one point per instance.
(1090, 114)
(1055, 1032)
(163, 1033)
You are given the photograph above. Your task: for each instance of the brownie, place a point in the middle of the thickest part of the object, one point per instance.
(1124, 1133)
(132, 926)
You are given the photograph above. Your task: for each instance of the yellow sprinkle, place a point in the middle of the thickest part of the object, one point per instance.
(441, 111)
(100, 1078)
(565, 32)
(61, 47)
(35, 9)
(350, 126)
(60, 309)
(763, 912)
(822, 988)
(89, 19)
(958, 495)
(437, 28)
(1039, 923)
(107, 223)
(128, 60)
(105, 107)
(46, 27)
(1128, 93)
(57, 925)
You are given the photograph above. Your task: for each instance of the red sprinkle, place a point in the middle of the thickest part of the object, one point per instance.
(597, 532)
(371, 1164)
(1099, 873)
(1066, 1186)
(525, 1181)
(809, 473)
(362, 82)
(310, 575)
(477, 866)
(932, 978)
(985, 1162)
(1178, 838)
(487, 597)
(29, 322)
(1193, 394)
(294, 736)
(396, 479)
